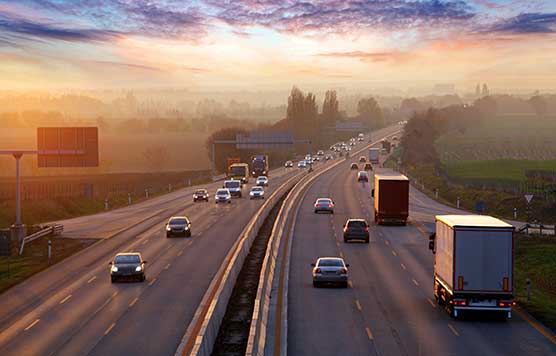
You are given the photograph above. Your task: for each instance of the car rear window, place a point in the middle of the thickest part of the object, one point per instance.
(179, 221)
(355, 223)
(331, 263)
(324, 201)
(127, 259)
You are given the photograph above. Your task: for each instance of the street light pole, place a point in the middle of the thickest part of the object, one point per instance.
(17, 157)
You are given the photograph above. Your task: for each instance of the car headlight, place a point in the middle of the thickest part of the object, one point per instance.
(138, 269)
(114, 269)
(186, 228)
(168, 228)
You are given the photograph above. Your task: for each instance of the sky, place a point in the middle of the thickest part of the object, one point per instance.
(274, 44)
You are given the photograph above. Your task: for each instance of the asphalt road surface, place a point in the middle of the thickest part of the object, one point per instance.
(389, 308)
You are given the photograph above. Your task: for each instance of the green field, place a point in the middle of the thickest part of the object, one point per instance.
(534, 259)
(502, 169)
(502, 137)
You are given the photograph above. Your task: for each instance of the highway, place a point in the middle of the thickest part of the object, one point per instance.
(73, 309)
(389, 308)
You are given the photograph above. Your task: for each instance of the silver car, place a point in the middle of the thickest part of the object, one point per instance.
(324, 205)
(223, 196)
(302, 164)
(256, 193)
(330, 270)
(262, 181)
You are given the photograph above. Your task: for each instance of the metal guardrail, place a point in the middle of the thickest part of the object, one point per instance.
(55, 229)
(540, 228)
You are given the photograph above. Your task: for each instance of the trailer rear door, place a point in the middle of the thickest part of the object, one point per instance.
(483, 260)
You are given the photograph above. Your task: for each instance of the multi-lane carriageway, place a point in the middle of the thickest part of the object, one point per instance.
(389, 307)
(73, 309)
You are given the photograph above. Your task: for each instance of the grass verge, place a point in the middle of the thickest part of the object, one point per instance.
(15, 269)
(534, 259)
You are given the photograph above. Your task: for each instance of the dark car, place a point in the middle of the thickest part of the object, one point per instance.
(200, 195)
(356, 229)
(362, 177)
(129, 265)
(368, 167)
(178, 226)
(354, 166)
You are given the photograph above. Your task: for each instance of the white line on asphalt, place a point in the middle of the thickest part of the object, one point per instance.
(179, 253)
(189, 243)
(144, 242)
(431, 303)
(453, 329)
(350, 284)
(65, 299)
(91, 279)
(109, 328)
(341, 254)
(152, 281)
(414, 281)
(32, 324)
(338, 243)
(114, 294)
(403, 266)
(394, 253)
(358, 305)
(133, 302)
(167, 266)
(387, 242)
(369, 334)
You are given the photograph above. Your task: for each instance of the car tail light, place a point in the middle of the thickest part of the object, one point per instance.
(366, 229)
(460, 302)
(317, 270)
(505, 303)
(343, 271)
(346, 229)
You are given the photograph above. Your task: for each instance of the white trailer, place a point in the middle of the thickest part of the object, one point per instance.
(473, 264)
(374, 155)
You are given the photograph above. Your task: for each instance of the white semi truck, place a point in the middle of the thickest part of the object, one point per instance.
(473, 264)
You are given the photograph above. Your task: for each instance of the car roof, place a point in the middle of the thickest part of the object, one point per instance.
(179, 217)
(256, 187)
(356, 219)
(128, 254)
(324, 199)
(330, 258)
(201, 190)
(223, 190)
(362, 172)
(262, 177)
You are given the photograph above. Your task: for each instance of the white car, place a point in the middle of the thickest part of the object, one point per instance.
(320, 153)
(256, 193)
(262, 181)
(223, 196)
(302, 164)
(288, 164)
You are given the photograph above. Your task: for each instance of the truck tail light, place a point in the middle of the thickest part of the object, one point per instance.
(460, 282)
(505, 303)
(505, 283)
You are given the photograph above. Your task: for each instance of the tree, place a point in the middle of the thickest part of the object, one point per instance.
(370, 112)
(330, 112)
(487, 106)
(411, 106)
(302, 115)
(486, 91)
(538, 103)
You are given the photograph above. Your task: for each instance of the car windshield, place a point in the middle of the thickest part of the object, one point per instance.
(222, 192)
(261, 178)
(357, 223)
(256, 189)
(127, 259)
(332, 262)
(178, 221)
(202, 191)
(324, 201)
(363, 174)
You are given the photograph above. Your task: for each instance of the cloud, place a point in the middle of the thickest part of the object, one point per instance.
(340, 16)
(127, 65)
(368, 56)
(23, 28)
(527, 23)
(164, 18)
